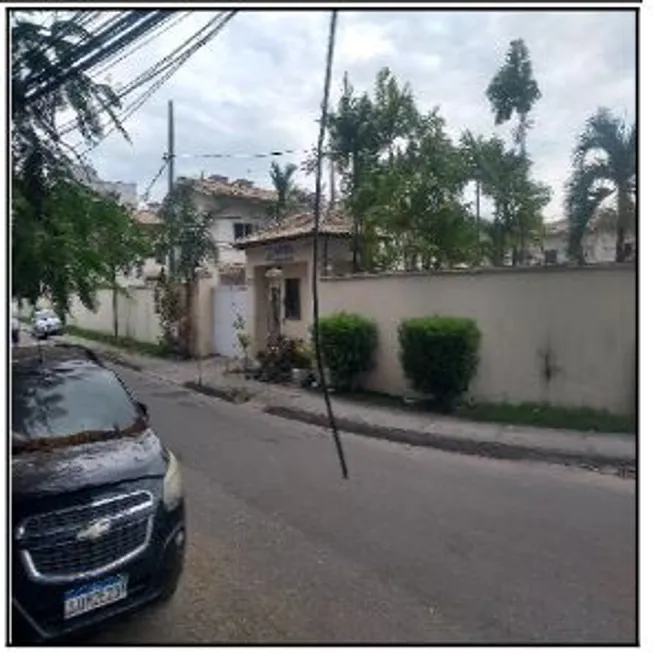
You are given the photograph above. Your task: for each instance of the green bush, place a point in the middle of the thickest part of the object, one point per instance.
(348, 343)
(439, 356)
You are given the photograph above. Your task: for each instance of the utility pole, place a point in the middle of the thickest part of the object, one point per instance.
(170, 157)
(332, 184)
(478, 213)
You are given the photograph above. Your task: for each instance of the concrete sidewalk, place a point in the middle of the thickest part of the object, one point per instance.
(615, 451)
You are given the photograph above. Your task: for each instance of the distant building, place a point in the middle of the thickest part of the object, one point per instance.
(599, 243)
(126, 191)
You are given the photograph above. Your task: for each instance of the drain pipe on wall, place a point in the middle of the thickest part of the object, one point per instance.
(316, 241)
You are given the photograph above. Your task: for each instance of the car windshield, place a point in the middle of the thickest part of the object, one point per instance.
(41, 315)
(67, 400)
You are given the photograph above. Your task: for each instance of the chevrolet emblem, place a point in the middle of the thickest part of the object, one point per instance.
(95, 530)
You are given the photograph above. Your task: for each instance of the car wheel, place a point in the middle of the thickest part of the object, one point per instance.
(170, 589)
(15, 337)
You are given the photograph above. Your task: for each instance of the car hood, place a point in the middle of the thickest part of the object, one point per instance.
(73, 468)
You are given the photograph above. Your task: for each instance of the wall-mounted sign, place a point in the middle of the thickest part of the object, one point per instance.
(279, 253)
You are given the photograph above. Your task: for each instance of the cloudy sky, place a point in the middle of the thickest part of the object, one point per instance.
(257, 86)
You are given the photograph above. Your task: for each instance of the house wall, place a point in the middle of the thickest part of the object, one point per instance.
(297, 262)
(227, 212)
(582, 320)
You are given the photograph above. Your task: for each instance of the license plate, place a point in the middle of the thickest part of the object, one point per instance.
(94, 596)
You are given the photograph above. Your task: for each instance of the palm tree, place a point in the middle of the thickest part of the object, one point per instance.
(514, 90)
(284, 186)
(611, 172)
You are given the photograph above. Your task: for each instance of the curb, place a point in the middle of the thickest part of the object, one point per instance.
(233, 395)
(626, 467)
(119, 360)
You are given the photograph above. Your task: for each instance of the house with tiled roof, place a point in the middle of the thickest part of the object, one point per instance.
(599, 242)
(239, 209)
(280, 261)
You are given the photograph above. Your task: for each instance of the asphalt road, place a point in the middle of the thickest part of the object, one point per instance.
(418, 546)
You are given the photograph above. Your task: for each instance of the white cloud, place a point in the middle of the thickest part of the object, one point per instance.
(257, 87)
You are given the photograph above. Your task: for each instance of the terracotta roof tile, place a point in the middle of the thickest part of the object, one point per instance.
(241, 188)
(297, 226)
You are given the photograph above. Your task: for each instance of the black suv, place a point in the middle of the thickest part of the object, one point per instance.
(96, 498)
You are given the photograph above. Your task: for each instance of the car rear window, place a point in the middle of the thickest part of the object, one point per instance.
(66, 400)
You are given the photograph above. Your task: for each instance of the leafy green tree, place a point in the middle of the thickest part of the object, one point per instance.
(362, 130)
(54, 225)
(122, 244)
(513, 90)
(518, 200)
(186, 231)
(424, 199)
(605, 165)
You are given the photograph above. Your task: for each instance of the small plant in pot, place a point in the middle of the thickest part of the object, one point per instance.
(303, 364)
(280, 358)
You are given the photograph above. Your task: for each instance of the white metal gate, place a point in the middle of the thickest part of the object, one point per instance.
(229, 302)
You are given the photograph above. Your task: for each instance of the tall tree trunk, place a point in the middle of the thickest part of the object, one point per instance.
(622, 214)
(356, 244)
(478, 217)
(190, 322)
(114, 304)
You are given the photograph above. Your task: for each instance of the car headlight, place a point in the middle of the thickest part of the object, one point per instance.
(172, 486)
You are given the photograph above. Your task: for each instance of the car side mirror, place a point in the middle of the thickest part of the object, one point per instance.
(143, 408)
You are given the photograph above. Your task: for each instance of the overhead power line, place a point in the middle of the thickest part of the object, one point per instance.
(101, 33)
(142, 78)
(257, 155)
(135, 29)
(142, 99)
(113, 62)
(145, 196)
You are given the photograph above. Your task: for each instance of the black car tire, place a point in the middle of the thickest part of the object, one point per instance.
(170, 589)
(15, 336)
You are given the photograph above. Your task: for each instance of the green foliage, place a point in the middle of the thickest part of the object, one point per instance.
(439, 356)
(549, 416)
(281, 356)
(349, 343)
(425, 222)
(73, 244)
(287, 194)
(57, 250)
(605, 165)
(170, 307)
(186, 231)
(362, 131)
(506, 178)
(514, 90)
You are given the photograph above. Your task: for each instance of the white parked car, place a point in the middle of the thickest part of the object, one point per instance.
(46, 323)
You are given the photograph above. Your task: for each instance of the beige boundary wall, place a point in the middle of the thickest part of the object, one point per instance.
(558, 335)
(137, 317)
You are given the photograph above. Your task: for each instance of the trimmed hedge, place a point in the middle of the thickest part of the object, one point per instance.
(439, 356)
(349, 343)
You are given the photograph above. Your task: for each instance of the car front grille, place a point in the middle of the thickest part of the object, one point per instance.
(88, 540)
